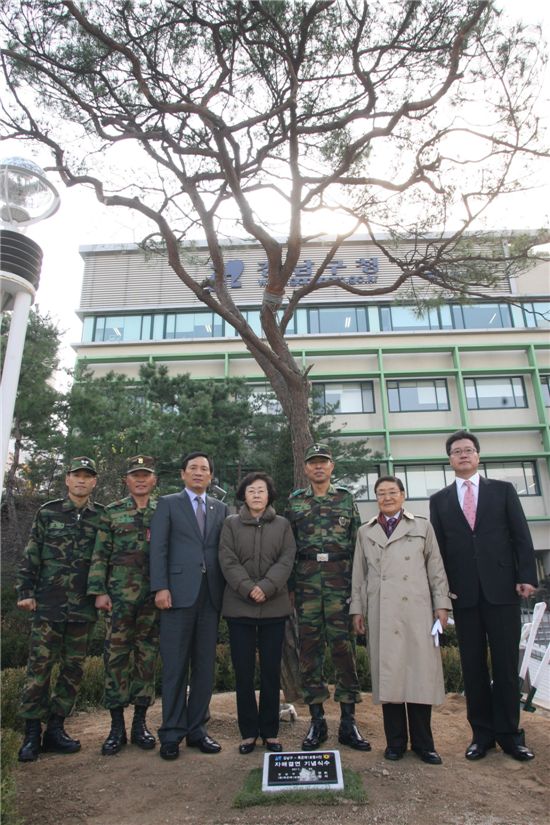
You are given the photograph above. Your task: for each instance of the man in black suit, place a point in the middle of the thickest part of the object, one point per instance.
(490, 563)
(188, 583)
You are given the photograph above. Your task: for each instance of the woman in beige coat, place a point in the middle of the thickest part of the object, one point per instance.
(399, 583)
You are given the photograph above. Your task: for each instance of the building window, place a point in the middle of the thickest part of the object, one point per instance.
(404, 319)
(362, 487)
(423, 480)
(193, 325)
(522, 474)
(495, 393)
(320, 321)
(481, 316)
(119, 328)
(418, 396)
(88, 329)
(264, 400)
(545, 387)
(348, 397)
(331, 320)
(537, 314)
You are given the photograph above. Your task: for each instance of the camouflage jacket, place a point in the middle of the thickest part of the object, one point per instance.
(57, 557)
(120, 562)
(324, 524)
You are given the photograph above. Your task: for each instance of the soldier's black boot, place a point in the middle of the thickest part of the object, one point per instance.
(117, 734)
(348, 732)
(139, 735)
(29, 750)
(318, 732)
(56, 737)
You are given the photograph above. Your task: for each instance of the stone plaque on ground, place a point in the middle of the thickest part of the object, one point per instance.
(312, 770)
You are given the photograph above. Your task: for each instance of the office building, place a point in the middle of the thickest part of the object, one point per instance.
(404, 380)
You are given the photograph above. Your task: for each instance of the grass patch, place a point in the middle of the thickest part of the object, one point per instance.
(252, 794)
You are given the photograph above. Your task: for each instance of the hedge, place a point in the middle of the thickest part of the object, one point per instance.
(91, 690)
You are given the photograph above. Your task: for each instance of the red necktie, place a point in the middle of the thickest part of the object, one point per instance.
(469, 505)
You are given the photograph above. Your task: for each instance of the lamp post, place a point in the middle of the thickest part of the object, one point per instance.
(26, 196)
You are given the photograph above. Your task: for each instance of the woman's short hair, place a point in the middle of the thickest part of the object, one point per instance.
(250, 479)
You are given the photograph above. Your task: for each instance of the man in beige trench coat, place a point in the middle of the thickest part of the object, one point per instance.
(399, 583)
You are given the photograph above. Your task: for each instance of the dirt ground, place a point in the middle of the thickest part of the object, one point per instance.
(138, 788)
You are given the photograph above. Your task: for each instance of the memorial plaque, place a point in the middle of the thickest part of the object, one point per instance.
(310, 770)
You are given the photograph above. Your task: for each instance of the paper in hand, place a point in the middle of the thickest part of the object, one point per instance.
(436, 630)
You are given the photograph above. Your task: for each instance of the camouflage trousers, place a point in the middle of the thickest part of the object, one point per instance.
(322, 606)
(131, 654)
(52, 642)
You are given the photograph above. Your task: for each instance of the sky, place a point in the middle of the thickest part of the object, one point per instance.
(81, 220)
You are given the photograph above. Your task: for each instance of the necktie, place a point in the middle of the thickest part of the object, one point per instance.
(469, 504)
(200, 514)
(390, 525)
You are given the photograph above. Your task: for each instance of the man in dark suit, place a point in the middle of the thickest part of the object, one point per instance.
(490, 563)
(188, 583)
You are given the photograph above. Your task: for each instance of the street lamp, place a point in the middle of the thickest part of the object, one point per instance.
(26, 196)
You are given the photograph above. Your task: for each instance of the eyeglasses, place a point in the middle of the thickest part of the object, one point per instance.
(466, 451)
(394, 494)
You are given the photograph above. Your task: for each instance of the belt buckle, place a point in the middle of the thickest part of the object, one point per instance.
(322, 556)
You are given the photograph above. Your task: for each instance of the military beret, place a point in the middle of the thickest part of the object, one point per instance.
(318, 451)
(82, 462)
(140, 462)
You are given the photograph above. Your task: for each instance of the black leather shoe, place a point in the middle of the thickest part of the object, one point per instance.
(57, 739)
(170, 750)
(393, 754)
(477, 751)
(247, 747)
(349, 735)
(430, 757)
(316, 735)
(114, 742)
(206, 745)
(273, 746)
(520, 752)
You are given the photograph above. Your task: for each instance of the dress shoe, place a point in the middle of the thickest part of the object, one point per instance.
(430, 757)
(520, 752)
(273, 745)
(247, 747)
(477, 751)
(206, 745)
(393, 754)
(169, 750)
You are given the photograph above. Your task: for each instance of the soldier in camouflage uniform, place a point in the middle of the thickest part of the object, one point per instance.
(52, 585)
(119, 579)
(325, 521)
